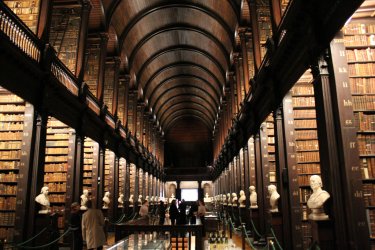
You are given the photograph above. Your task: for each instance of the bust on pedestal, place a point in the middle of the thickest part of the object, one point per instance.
(234, 200)
(121, 200)
(317, 199)
(140, 200)
(147, 198)
(229, 200)
(106, 200)
(152, 199)
(131, 200)
(253, 197)
(207, 198)
(84, 199)
(242, 200)
(274, 197)
(43, 201)
(224, 199)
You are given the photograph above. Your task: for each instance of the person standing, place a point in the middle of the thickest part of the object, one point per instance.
(93, 227)
(161, 213)
(75, 223)
(173, 212)
(143, 212)
(182, 219)
(193, 212)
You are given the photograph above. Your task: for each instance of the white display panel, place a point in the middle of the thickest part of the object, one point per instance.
(189, 194)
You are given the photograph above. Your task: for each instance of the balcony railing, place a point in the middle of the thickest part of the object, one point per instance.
(18, 33)
(63, 74)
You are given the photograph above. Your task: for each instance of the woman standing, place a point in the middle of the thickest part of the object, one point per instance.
(93, 227)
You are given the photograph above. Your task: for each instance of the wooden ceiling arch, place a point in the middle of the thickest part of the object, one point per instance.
(179, 52)
(185, 115)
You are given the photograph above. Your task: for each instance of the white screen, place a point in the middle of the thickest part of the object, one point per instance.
(189, 194)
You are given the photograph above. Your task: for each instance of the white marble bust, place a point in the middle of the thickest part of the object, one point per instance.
(84, 199)
(131, 200)
(317, 199)
(229, 201)
(140, 200)
(242, 199)
(207, 198)
(147, 198)
(224, 199)
(274, 197)
(253, 197)
(152, 199)
(43, 200)
(106, 200)
(234, 200)
(121, 200)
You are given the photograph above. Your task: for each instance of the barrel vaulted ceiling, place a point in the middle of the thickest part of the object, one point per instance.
(176, 52)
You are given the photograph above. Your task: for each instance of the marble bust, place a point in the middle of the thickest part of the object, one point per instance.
(43, 200)
(274, 197)
(229, 200)
(84, 199)
(140, 200)
(106, 200)
(152, 199)
(242, 200)
(121, 200)
(131, 200)
(317, 199)
(207, 198)
(147, 198)
(224, 199)
(253, 197)
(234, 200)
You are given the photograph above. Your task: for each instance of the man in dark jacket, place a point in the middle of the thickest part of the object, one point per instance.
(182, 208)
(161, 213)
(173, 212)
(193, 213)
(75, 223)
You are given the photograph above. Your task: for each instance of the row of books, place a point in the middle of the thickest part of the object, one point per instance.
(362, 69)
(303, 101)
(360, 40)
(6, 233)
(304, 194)
(369, 194)
(59, 198)
(307, 145)
(359, 28)
(8, 189)
(9, 177)
(305, 123)
(7, 203)
(51, 158)
(362, 85)
(12, 108)
(365, 122)
(12, 117)
(360, 55)
(308, 157)
(361, 103)
(57, 187)
(55, 177)
(55, 167)
(57, 136)
(368, 167)
(9, 165)
(11, 135)
(11, 125)
(6, 98)
(307, 113)
(63, 150)
(7, 218)
(306, 134)
(302, 90)
(57, 143)
(366, 144)
(312, 168)
(370, 213)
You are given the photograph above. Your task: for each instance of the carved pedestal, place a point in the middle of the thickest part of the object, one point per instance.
(322, 232)
(254, 222)
(277, 226)
(48, 223)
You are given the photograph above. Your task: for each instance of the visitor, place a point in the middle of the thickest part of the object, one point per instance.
(75, 223)
(93, 227)
(193, 212)
(143, 212)
(161, 213)
(201, 213)
(173, 212)
(182, 217)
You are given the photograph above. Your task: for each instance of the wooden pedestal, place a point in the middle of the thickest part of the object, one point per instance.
(277, 226)
(322, 232)
(47, 222)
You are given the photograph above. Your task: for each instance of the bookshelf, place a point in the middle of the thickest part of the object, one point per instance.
(132, 181)
(140, 186)
(359, 41)
(306, 145)
(12, 113)
(108, 171)
(64, 33)
(270, 125)
(89, 153)
(109, 77)
(27, 11)
(263, 13)
(91, 76)
(122, 175)
(56, 165)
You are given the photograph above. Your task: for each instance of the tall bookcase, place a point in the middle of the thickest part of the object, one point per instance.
(121, 179)
(359, 40)
(65, 26)
(132, 181)
(12, 112)
(140, 186)
(270, 125)
(56, 165)
(27, 11)
(264, 24)
(108, 172)
(92, 68)
(306, 145)
(89, 158)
